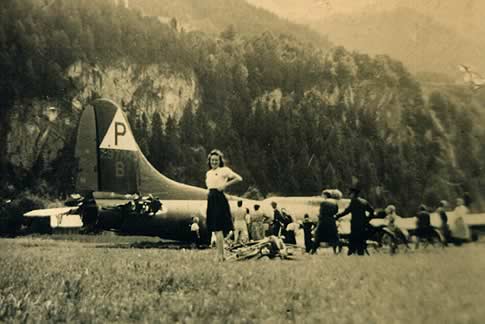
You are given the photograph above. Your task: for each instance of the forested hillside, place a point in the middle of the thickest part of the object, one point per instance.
(292, 118)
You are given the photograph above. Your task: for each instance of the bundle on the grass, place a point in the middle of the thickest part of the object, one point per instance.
(269, 247)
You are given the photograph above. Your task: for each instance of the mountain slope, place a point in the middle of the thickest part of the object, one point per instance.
(464, 17)
(215, 16)
(419, 42)
(431, 36)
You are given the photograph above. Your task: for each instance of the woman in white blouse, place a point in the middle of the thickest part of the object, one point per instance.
(218, 178)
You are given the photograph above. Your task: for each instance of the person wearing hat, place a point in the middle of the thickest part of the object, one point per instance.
(358, 207)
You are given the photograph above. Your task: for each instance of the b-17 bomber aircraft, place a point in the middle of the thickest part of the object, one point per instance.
(113, 169)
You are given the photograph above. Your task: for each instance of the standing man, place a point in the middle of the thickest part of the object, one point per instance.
(444, 227)
(307, 226)
(278, 222)
(89, 213)
(240, 227)
(358, 208)
(249, 225)
(257, 224)
(424, 230)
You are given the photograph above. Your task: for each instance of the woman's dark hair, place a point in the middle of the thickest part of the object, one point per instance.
(219, 154)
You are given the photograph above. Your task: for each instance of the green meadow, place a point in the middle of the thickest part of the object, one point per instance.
(100, 279)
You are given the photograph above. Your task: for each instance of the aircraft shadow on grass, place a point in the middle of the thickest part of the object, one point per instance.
(165, 245)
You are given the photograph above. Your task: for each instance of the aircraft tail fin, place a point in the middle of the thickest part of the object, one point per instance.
(110, 160)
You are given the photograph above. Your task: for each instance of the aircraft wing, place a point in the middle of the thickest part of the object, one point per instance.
(49, 212)
(472, 220)
(477, 220)
(59, 217)
(404, 223)
(475, 223)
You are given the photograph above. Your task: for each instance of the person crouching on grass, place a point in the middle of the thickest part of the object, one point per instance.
(218, 178)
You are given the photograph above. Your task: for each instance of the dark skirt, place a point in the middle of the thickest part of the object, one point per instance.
(218, 212)
(327, 230)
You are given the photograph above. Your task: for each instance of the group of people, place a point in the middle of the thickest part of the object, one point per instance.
(245, 222)
(326, 228)
(249, 222)
(452, 226)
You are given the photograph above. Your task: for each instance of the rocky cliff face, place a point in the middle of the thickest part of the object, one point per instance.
(137, 88)
(40, 129)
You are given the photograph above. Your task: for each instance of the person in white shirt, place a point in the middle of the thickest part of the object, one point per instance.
(459, 229)
(240, 227)
(218, 178)
(392, 219)
(257, 223)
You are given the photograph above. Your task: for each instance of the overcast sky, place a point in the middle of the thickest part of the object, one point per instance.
(463, 16)
(450, 12)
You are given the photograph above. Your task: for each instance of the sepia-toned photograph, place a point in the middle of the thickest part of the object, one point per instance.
(242, 161)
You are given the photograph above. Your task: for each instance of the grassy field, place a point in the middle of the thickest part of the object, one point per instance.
(103, 279)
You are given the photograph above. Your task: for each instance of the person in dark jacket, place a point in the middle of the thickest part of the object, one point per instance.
(423, 220)
(307, 226)
(278, 221)
(444, 227)
(89, 213)
(327, 228)
(424, 230)
(291, 229)
(358, 208)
